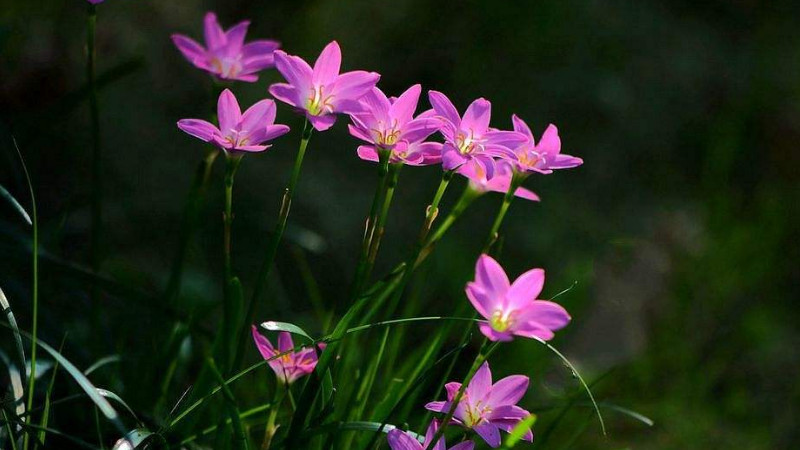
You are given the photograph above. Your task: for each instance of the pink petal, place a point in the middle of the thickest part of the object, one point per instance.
(258, 55)
(399, 440)
(489, 433)
(444, 107)
(477, 116)
(550, 142)
(525, 288)
(285, 93)
(481, 383)
(258, 116)
(192, 50)
(546, 314)
(234, 37)
(419, 129)
(367, 153)
(228, 112)
(352, 85)
(268, 133)
(377, 104)
(430, 432)
(564, 162)
(490, 276)
(214, 35)
(509, 425)
(441, 407)
(199, 128)
(510, 139)
(483, 303)
(486, 163)
(533, 331)
(322, 123)
(521, 127)
(328, 64)
(494, 335)
(263, 344)
(451, 389)
(508, 412)
(467, 445)
(452, 158)
(403, 108)
(251, 148)
(296, 71)
(526, 194)
(508, 391)
(285, 343)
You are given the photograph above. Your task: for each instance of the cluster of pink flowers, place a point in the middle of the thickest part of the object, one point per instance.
(492, 159)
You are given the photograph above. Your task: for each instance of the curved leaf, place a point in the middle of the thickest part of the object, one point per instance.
(286, 326)
(132, 439)
(7, 195)
(12, 322)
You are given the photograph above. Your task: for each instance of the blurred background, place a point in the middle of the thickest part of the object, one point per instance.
(679, 233)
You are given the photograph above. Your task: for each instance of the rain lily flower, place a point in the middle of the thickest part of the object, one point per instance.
(237, 132)
(389, 123)
(94, 2)
(399, 440)
(469, 137)
(321, 92)
(226, 55)
(291, 366)
(544, 157)
(513, 309)
(500, 182)
(487, 408)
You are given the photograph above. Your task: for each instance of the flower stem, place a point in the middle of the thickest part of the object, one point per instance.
(516, 180)
(274, 243)
(484, 352)
(391, 184)
(270, 430)
(369, 229)
(232, 162)
(466, 199)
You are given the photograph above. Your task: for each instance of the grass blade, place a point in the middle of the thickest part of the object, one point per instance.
(12, 322)
(7, 195)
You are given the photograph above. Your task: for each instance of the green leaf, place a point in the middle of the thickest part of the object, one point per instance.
(110, 395)
(16, 384)
(286, 326)
(12, 322)
(519, 430)
(133, 439)
(7, 195)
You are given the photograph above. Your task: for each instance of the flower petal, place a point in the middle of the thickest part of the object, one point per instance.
(419, 129)
(452, 158)
(228, 112)
(352, 85)
(526, 194)
(296, 71)
(399, 440)
(441, 407)
(564, 162)
(191, 49)
(508, 412)
(521, 127)
(477, 116)
(444, 107)
(322, 123)
(483, 303)
(481, 383)
(377, 104)
(367, 152)
(550, 143)
(508, 391)
(546, 314)
(214, 35)
(489, 433)
(285, 93)
(263, 344)
(328, 64)
(258, 116)
(285, 342)
(403, 108)
(466, 445)
(451, 389)
(525, 288)
(234, 37)
(198, 128)
(490, 276)
(494, 335)
(258, 55)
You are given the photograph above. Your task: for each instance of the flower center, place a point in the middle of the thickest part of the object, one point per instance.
(226, 67)
(530, 159)
(318, 103)
(386, 136)
(501, 321)
(467, 143)
(237, 138)
(474, 414)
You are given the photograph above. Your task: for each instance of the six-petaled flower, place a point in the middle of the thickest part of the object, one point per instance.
(543, 157)
(290, 365)
(400, 440)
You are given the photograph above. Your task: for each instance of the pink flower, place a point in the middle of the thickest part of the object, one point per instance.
(487, 408)
(288, 367)
(545, 156)
(94, 2)
(512, 309)
(321, 92)
(237, 132)
(399, 440)
(389, 123)
(226, 55)
(500, 182)
(469, 137)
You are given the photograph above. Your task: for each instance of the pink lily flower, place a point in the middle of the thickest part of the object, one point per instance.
(237, 132)
(321, 92)
(399, 440)
(94, 2)
(469, 137)
(512, 309)
(291, 366)
(487, 408)
(500, 182)
(545, 156)
(225, 55)
(389, 123)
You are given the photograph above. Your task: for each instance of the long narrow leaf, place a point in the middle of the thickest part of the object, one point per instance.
(12, 322)
(7, 195)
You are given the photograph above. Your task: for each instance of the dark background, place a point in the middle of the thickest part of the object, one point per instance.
(680, 229)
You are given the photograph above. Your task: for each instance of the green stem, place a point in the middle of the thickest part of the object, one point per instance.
(466, 199)
(232, 162)
(516, 180)
(274, 243)
(483, 353)
(369, 229)
(391, 184)
(270, 430)
(34, 291)
(191, 215)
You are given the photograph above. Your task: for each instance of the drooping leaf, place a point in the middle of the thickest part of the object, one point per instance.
(286, 326)
(12, 322)
(15, 204)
